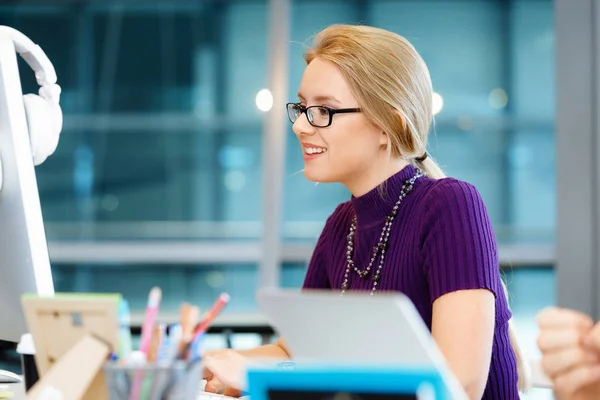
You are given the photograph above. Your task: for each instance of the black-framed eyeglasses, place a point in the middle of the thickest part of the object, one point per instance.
(318, 116)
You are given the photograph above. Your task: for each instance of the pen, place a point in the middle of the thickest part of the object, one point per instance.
(157, 338)
(152, 308)
(188, 316)
(171, 344)
(196, 348)
(150, 381)
(124, 329)
(210, 316)
(203, 325)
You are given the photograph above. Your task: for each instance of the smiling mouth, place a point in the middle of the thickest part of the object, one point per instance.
(314, 150)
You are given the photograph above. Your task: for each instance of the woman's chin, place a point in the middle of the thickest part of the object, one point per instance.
(317, 176)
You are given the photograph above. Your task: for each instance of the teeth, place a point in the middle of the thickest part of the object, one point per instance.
(315, 150)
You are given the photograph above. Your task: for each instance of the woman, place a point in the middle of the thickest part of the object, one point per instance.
(570, 346)
(362, 118)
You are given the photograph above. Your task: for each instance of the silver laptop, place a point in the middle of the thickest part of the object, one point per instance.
(324, 326)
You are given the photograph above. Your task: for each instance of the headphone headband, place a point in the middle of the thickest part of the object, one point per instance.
(37, 60)
(43, 113)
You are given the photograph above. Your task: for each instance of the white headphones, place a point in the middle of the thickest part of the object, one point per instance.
(44, 115)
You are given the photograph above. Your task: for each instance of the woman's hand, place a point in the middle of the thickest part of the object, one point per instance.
(225, 372)
(570, 353)
(225, 369)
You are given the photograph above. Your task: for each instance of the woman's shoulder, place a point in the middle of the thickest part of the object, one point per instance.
(450, 192)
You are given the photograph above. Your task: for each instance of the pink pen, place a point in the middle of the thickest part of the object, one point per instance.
(203, 325)
(152, 308)
(210, 316)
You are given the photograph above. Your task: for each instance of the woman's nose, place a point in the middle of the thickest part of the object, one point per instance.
(302, 126)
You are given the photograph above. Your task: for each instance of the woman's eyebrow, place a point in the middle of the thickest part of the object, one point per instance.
(320, 98)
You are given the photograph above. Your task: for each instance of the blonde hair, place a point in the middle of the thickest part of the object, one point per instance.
(391, 83)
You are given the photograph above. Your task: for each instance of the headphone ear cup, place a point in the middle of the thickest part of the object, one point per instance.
(42, 126)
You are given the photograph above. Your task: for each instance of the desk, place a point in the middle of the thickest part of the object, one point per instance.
(19, 390)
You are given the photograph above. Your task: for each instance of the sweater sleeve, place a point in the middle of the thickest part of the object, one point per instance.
(317, 276)
(459, 249)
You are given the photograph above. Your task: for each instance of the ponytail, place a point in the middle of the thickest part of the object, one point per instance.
(523, 369)
(429, 166)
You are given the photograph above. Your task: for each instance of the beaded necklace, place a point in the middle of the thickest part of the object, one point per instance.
(382, 243)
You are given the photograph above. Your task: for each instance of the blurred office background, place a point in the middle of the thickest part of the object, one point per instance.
(159, 176)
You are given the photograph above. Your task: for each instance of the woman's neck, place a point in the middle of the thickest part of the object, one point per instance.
(374, 176)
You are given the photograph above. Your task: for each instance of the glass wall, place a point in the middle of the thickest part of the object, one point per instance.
(161, 141)
(160, 120)
(158, 175)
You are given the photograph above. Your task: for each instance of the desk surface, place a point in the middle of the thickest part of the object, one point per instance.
(19, 390)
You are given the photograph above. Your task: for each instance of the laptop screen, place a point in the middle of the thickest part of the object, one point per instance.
(332, 395)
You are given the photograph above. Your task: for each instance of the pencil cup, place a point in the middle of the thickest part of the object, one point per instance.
(175, 381)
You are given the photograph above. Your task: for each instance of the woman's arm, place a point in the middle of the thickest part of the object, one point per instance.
(460, 260)
(277, 350)
(463, 328)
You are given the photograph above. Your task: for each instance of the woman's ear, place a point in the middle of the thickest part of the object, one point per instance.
(384, 139)
(407, 137)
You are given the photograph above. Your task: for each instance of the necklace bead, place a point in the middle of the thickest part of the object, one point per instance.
(382, 244)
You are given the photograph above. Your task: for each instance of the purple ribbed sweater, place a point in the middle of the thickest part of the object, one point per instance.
(441, 241)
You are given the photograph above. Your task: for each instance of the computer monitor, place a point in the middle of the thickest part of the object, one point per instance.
(24, 259)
